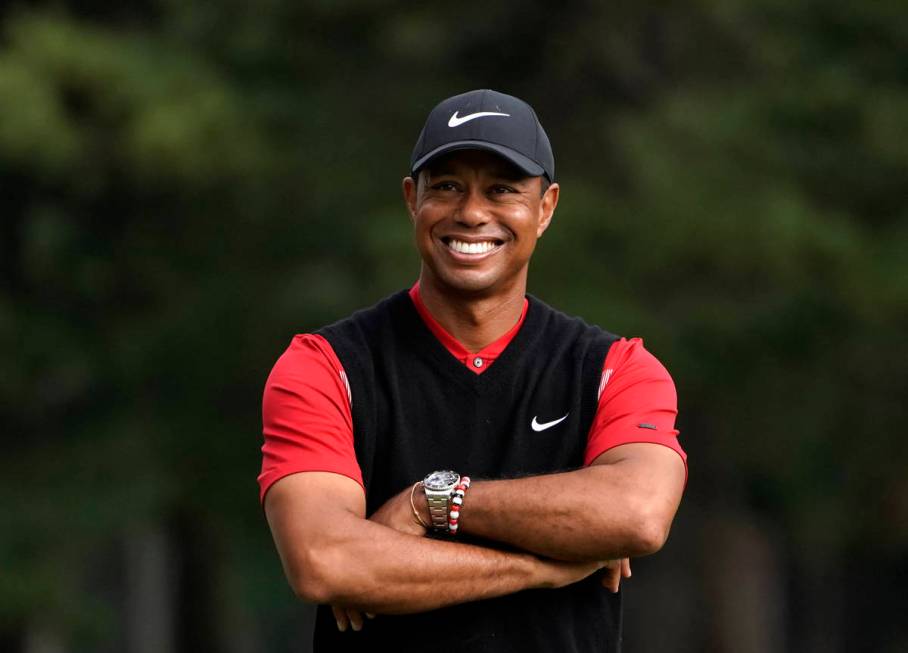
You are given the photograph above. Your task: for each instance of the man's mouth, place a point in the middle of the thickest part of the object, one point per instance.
(479, 247)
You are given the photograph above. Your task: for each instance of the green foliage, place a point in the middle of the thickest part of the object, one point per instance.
(184, 186)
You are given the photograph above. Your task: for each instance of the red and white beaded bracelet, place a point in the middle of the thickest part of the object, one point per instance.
(460, 490)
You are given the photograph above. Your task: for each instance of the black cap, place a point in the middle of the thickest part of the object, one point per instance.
(486, 120)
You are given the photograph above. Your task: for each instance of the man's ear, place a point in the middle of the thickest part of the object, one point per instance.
(547, 208)
(409, 188)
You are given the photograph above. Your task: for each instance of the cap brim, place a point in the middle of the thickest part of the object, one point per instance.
(524, 164)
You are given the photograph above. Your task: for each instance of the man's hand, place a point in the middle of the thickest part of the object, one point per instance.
(615, 570)
(348, 617)
(397, 512)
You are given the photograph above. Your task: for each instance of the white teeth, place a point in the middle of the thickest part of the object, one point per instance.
(470, 248)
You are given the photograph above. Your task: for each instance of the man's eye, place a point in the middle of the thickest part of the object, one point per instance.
(444, 185)
(502, 189)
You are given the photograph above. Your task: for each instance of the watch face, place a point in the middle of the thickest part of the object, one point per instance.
(441, 480)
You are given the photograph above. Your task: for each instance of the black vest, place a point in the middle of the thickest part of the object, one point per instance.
(417, 409)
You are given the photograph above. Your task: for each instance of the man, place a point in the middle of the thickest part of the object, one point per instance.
(566, 430)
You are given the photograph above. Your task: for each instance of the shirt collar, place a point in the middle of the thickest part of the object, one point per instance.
(478, 361)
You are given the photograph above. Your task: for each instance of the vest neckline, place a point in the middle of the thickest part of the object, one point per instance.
(447, 363)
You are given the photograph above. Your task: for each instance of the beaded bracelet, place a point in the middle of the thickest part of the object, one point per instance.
(460, 490)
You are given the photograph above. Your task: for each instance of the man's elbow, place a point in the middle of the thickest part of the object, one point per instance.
(640, 533)
(317, 578)
(310, 589)
(649, 526)
(649, 535)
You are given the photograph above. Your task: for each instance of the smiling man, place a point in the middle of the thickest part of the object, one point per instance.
(462, 467)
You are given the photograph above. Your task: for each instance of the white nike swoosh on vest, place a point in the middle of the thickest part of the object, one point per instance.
(547, 425)
(455, 120)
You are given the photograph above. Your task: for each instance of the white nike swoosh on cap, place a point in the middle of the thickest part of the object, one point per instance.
(456, 120)
(542, 427)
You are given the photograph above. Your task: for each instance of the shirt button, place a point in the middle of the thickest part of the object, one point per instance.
(477, 362)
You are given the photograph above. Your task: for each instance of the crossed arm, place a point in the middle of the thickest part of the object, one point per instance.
(565, 526)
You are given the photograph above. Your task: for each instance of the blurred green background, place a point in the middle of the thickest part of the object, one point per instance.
(184, 186)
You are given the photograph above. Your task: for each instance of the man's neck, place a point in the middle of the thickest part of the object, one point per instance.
(476, 321)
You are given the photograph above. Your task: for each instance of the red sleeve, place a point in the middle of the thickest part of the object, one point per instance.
(637, 402)
(306, 418)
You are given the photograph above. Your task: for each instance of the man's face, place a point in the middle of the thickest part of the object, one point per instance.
(476, 220)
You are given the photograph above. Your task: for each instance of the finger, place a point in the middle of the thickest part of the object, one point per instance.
(340, 615)
(610, 579)
(370, 615)
(626, 567)
(356, 619)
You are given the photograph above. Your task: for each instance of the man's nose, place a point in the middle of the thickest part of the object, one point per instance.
(473, 210)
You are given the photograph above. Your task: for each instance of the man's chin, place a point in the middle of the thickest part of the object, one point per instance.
(470, 285)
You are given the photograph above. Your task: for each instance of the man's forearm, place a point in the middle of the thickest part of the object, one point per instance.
(595, 513)
(377, 569)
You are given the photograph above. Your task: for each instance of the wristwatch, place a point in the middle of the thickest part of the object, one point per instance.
(439, 486)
